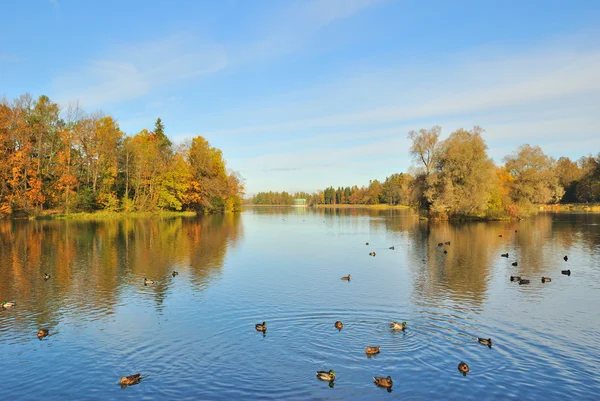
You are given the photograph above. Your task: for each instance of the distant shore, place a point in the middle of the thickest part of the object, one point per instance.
(571, 207)
(340, 206)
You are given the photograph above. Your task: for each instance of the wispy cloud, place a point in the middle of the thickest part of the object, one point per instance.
(467, 86)
(9, 58)
(134, 70)
(292, 27)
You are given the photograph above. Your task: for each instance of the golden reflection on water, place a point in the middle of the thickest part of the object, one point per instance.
(89, 261)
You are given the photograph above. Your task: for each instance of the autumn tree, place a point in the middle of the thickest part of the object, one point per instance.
(464, 176)
(534, 177)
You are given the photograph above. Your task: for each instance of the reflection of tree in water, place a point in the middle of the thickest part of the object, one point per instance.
(89, 261)
(461, 274)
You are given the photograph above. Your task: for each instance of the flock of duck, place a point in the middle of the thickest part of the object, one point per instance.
(325, 375)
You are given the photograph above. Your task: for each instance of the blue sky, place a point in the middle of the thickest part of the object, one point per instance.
(300, 95)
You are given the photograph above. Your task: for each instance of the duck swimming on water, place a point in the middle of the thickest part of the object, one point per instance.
(485, 341)
(463, 368)
(384, 381)
(327, 376)
(130, 380)
(372, 350)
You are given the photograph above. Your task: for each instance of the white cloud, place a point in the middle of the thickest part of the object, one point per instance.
(134, 70)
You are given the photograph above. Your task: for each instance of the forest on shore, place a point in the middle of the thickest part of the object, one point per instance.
(70, 161)
(455, 178)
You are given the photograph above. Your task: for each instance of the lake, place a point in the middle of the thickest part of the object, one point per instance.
(192, 336)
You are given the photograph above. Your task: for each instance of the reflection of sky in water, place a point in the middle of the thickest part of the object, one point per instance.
(193, 336)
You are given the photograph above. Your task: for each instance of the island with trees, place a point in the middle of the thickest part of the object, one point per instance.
(456, 179)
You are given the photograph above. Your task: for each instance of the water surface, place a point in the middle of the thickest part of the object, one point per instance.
(192, 336)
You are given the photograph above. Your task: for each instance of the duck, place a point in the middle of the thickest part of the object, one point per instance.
(371, 253)
(130, 380)
(383, 381)
(372, 350)
(445, 251)
(148, 281)
(338, 325)
(328, 376)
(440, 244)
(175, 273)
(504, 255)
(463, 368)
(499, 235)
(397, 326)
(43, 333)
(546, 279)
(8, 304)
(392, 248)
(261, 327)
(566, 258)
(347, 278)
(485, 341)
(515, 278)
(566, 272)
(524, 281)
(46, 276)
(366, 243)
(447, 243)
(515, 264)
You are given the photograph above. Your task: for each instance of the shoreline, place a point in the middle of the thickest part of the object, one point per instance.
(109, 215)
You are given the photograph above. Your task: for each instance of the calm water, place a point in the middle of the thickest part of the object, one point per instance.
(192, 336)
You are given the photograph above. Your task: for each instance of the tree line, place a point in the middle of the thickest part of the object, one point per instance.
(71, 161)
(455, 178)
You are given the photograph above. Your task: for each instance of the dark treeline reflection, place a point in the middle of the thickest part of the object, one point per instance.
(91, 263)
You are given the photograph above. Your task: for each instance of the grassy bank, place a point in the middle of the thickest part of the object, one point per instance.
(103, 215)
(571, 207)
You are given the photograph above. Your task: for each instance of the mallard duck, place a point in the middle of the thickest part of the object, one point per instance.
(463, 368)
(43, 333)
(338, 325)
(566, 258)
(397, 326)
(175, 273)
(440, 244)
(485, 341)
(327, 376)
(546, 279)
(261, 327)
(504, 255)
(383, 381)
(46, 276)
(8, 304)
(130, 380)
(347, 278)
(515, 278)
(566, 272)
(524, 281)
(515, 264)
(148, 281)
(392, 248)
(366, 243)
(372, 350)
